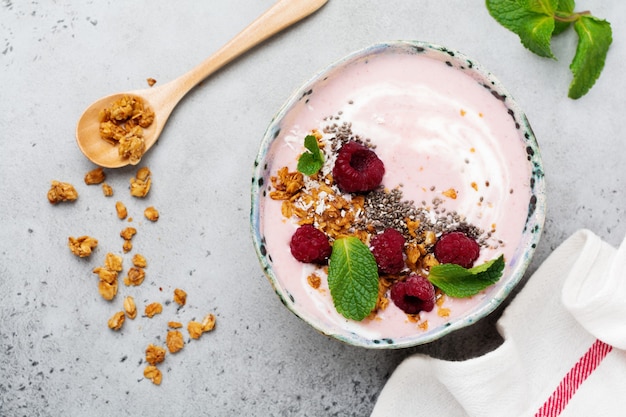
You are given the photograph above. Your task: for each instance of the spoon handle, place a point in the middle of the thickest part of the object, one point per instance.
(278, 17)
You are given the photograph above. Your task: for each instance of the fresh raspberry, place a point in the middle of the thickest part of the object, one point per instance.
(413, 295)
(388, 249)
(457, 248)
(357, 169)
(310, 245)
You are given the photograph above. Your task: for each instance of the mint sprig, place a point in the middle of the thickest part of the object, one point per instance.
(536, 22)
(312, 159)
(353, 278)
(459, 282)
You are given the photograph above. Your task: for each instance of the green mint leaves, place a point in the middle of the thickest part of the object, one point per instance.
(537, 21)
(353, 278)
(312, 159)
(456, 281)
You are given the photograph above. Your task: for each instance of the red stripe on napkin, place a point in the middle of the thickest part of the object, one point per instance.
(574, 378)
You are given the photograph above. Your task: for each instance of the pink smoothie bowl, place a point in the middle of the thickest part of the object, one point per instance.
(438, 114)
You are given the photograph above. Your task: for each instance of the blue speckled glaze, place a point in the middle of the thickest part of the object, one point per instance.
(536, 206)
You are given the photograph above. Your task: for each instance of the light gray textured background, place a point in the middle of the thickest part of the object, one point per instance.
(57, 357)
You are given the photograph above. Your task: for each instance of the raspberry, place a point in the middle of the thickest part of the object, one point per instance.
(357, 169)
(413, 295)
(388, 249)
(310, 245)
(457, 248)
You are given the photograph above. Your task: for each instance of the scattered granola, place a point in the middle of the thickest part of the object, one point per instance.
(82, 246)
(151, 81)
(113, 262)
(116, 322)
(130, 308)
(139, 261)
(208, 323)
(108, 273)
(174, 341)
(135, 276)
(120, 208)
(153, 374)
(196, 329)
(143, 174)
(151, 214)
(107, 290)
(61, 191)
(154, 354)
(107, 190)
(95, 176)
(107, 286)
(127, 234)
(153, 309)
(122, 124)
(180, 296)
(140, 185)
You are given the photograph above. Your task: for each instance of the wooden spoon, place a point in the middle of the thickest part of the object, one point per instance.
(164, 98)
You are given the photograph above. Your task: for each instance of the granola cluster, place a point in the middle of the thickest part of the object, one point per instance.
(82, 246)
(95, 176)
(122, 124)
(113, 265)
(61, 191)
(120, 209)
(108, 285)
(316, 202)
(140, 184)
(130, 308)
(196, 329)
(151, 214)
(116, 322)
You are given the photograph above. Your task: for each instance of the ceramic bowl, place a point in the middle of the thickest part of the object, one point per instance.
(404, 95)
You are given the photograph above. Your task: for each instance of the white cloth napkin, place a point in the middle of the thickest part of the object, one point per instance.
(564, 350)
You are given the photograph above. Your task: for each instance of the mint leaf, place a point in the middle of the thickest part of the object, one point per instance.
(312, 159)
(594, 38)
(353, 278)
(459, 282)
(531, 20)
(537, 21)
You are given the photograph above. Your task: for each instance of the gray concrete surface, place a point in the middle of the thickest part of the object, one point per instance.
(57, 356)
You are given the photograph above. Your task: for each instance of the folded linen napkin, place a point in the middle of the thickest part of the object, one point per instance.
(564, 349)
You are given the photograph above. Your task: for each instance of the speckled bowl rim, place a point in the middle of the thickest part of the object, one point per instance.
(534, 222)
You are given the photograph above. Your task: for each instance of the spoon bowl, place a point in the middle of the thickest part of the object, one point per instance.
(103, 152)
(163, 99)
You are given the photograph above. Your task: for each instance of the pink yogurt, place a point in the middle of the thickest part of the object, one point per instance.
(435, 128)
